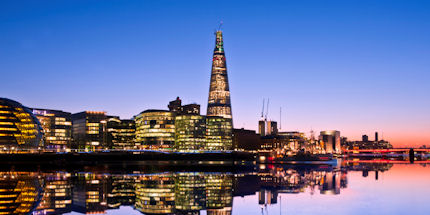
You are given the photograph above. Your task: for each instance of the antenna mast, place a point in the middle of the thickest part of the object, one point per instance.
(280, 118)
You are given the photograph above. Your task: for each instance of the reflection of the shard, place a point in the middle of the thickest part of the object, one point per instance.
(19, 192)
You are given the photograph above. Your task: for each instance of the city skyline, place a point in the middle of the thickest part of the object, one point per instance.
(379, 86)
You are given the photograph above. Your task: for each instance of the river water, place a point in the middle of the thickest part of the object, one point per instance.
(347, 188)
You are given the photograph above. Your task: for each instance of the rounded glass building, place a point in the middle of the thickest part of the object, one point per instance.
(19, 128)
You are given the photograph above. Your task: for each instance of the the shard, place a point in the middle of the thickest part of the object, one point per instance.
(219, 93)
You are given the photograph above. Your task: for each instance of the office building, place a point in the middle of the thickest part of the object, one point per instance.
(57, 128)
(155, 129)
(121, 134)
(89, 130)
(219, 133)
(190, 133)
(19, 128)
(219, 93)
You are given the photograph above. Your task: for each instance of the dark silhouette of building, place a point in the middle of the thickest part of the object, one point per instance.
(89, 130)
(365, 138)
(246, 140)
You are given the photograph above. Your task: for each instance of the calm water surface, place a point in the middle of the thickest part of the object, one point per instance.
(350, 188)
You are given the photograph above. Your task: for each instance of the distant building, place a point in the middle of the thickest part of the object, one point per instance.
(19, 128)
(365, 143)
(296, 141)
(330, 141)
(155, 129)
(246, 140)
(365, 138)
(267, 127)
(219, 133)
(89, 130)
(121, 133)
(57, 128)
(176, 107)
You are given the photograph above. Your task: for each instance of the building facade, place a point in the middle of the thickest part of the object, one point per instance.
(330, 141)
(219, 93)
(190, 133)
(57, 128)
(219, 133)
(121, 134)
(89, 130)
(19, 128)
(155, 129)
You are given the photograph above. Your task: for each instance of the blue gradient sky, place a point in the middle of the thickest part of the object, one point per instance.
(355, 66)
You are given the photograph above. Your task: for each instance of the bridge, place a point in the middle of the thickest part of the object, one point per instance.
(386, 151)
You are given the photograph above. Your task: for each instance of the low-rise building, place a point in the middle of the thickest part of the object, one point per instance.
(57, 128)
(155, 129)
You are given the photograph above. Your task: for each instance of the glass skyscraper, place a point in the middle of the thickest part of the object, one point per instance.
(219, 92)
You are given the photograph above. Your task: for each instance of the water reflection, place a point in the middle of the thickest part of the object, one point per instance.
(168, 192)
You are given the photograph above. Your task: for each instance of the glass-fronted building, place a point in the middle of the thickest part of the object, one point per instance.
(89, 130)
(19, 128)
(155, 129)
(219, 131)
(190, 133)
(57, 128)
(121, 133)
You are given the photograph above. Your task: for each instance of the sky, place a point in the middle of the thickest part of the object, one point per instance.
(353, 66)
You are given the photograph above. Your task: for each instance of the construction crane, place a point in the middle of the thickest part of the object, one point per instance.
(262, 111)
